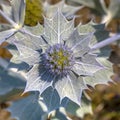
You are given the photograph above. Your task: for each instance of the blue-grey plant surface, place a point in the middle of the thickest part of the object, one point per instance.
(60, 57)
(57, 60)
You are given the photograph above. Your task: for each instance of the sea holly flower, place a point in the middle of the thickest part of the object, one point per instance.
(67, 10)
(62, 58)
(14, 15)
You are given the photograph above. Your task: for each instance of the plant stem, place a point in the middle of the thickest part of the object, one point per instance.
(105, 42)
(7, 18)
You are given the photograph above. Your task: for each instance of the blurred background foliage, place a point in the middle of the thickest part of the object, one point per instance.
(34, 12)
(105, 99)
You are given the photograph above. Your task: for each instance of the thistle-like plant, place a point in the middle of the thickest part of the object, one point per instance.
(15, 16)
(105, 11)
(62, 58)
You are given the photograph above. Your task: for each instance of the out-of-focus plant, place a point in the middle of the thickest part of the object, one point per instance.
(14, 16)
(34, 12)
(104, 11)
(57, 61)
(105, 102)
(4, 53)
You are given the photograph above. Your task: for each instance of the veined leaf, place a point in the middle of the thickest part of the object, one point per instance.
(11, 84)
(65, 61)
(6, 34)
(27, 40)
(103, 76)
(68, 10)
(7, 9)
(71, 87)
(28, 55)
(99, 35)
(4, 27)
(15, 63)
(75, 110)
(35, 107)
(27, 108)
(18, 11)
(35, 30)
(57, 28)
(51, 99)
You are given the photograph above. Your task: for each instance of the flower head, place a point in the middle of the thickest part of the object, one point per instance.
(58, 59)
(65, 59)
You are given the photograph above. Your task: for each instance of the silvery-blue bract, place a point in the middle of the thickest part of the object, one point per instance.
(15, 13)
(60, 57)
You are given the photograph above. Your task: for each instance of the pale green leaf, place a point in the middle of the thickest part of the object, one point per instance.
(99, 35)
(29, 41)
(38, 79)
(16, 63)
(57, 28)
(102, 76)
(34, 106)
(79, 43)
(68, 10)
(27, 55)
(75, 110)
(13, 50)
(7, 10)
(28, 108)
(11, 83)
(35, 30)
(4, 27)
(6, 34)
(51, 99)
(18, 11)
(71, 87)
(15, 12)
(86, 69)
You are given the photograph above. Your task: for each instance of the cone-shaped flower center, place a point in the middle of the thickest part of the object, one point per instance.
(58, 59)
